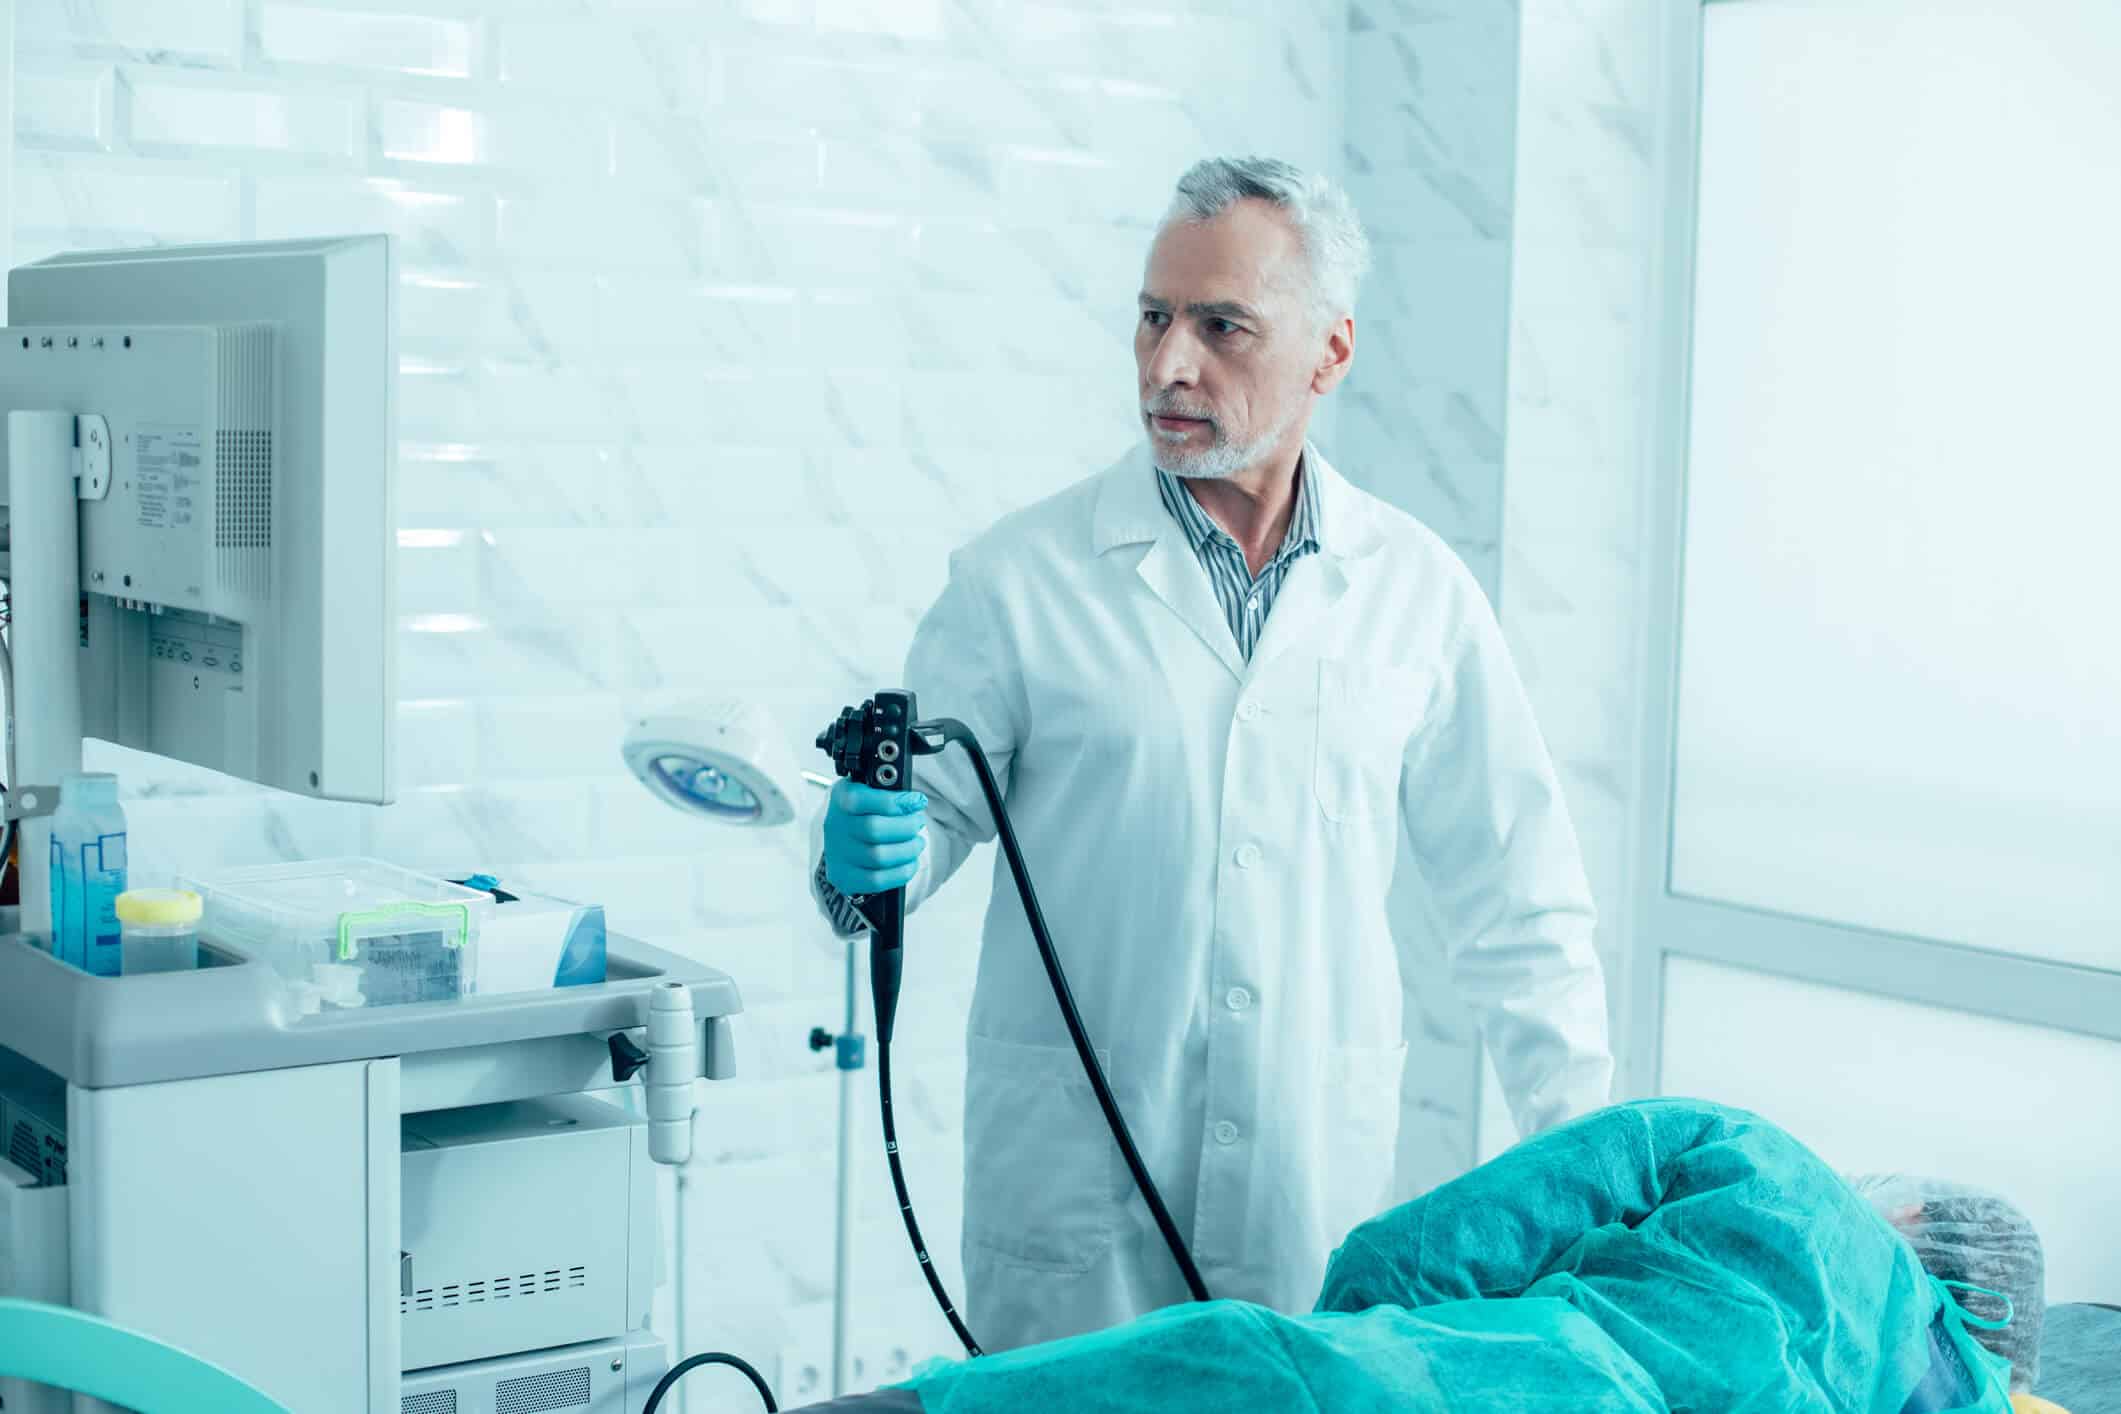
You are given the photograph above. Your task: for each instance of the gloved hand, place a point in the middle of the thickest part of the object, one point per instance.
(874, 838)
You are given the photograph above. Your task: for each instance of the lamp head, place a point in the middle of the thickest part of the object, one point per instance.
(717, 759)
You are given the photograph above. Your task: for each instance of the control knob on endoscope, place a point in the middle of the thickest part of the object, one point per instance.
(842, 741)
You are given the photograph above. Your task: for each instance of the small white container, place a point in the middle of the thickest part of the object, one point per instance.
(160, 930)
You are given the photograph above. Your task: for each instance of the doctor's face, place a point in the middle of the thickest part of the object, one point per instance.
(1227, 348)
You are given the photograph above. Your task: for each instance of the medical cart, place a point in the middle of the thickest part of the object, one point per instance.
(438, 1208)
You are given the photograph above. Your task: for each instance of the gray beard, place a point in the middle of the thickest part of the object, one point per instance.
(1220, 462)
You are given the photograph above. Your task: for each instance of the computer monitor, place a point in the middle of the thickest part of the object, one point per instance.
(237, 532)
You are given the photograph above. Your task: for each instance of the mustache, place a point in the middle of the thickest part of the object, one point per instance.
(1165, 405)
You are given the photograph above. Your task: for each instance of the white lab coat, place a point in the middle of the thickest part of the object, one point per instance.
(1212, 842)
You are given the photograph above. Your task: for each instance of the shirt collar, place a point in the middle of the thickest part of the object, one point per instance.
(1201, 530)
(1126, 508)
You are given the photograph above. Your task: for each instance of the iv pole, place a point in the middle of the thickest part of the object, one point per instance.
(842, 1357)
(850, 1054)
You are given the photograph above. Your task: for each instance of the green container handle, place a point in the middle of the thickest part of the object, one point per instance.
(349, 921)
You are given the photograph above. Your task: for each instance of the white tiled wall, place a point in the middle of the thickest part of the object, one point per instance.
(722, 322)
(1580, 341)
(1430, 114)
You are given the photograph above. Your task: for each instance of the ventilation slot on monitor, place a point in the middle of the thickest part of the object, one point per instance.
(243, 461)
(535, 1394)
(435, 1401)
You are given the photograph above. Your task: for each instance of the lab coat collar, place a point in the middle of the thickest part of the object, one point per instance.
(1129, 511)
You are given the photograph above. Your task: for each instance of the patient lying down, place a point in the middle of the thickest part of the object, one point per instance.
(1665, 1255)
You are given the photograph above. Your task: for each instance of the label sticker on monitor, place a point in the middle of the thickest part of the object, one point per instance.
(168, 464)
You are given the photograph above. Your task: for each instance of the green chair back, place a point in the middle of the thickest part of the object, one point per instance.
(70, 1350)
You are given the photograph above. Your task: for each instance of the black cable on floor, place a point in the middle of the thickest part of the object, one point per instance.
(716, 1357)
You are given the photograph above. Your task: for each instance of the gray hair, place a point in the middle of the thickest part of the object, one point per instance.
(1325, 220)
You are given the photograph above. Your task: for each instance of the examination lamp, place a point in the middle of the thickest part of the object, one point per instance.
(717, 759)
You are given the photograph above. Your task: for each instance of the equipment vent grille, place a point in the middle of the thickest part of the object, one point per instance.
(243, 461)
(22, 1149)
(516, 1287)
(435, 1401)
(535, 1394)
(243, 482)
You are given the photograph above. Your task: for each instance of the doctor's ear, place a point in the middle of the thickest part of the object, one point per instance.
(1336, 357)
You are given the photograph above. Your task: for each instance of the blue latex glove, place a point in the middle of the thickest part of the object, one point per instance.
(874, 838)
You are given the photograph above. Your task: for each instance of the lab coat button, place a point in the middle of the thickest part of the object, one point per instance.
(1238, 999)
(1248, 711)
(1247, 856)
(1226, 1133)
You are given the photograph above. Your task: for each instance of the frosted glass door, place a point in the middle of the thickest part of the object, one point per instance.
(1900, 652)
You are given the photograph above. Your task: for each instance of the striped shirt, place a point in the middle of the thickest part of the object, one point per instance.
(1246, 600)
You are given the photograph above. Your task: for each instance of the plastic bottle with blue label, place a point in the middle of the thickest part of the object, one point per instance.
(88, 873)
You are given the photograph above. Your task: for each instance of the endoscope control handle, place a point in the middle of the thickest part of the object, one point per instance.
(874, 745)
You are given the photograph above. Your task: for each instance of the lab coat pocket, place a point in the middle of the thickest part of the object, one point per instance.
(1367, 713)
(1044, 1183)
(1362, 1124)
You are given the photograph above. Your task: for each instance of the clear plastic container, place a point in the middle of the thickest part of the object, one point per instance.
(350, 932)
(160, 928)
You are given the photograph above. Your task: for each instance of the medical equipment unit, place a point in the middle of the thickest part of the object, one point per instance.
(875, 744)
(369, 1191)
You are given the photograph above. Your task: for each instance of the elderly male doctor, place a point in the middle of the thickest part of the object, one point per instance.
(1215, 682)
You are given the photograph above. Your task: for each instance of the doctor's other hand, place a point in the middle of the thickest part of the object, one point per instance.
(873, 838)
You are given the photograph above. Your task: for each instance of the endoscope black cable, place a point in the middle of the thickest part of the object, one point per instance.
(928, 738)
(905, 1203)
(958, 732)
